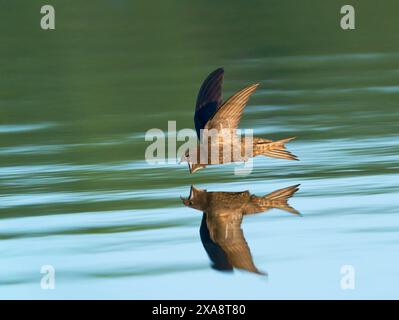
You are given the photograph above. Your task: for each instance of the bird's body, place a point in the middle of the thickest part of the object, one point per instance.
(235, 149)
(216, 123)
(223, 212)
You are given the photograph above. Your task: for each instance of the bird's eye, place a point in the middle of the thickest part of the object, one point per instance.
(190, 203)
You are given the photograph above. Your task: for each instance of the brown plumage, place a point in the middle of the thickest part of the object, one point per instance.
(220, 121)
(223, 212)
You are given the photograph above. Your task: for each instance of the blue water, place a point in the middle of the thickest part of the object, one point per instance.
(76, 192)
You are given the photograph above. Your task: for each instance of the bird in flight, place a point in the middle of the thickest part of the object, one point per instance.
(218, 121)
(220, 231)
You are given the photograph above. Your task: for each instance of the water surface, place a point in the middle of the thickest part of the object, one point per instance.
(77, 194)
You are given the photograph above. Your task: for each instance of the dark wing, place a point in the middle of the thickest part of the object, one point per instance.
(209, 99)
(277, 199)
(229, 114)
(214, 251)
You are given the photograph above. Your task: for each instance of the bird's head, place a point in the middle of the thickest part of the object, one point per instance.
(196, 199)
(193, 164)
(185, 156)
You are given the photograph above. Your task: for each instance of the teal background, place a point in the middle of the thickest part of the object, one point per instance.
(76, 192)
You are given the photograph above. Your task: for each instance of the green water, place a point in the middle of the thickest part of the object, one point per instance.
(76, 192)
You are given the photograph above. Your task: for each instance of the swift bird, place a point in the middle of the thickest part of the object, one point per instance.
(213, 115)
(220, 231)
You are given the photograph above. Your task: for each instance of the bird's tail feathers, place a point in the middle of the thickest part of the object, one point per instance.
(275, 149)
(279, 199)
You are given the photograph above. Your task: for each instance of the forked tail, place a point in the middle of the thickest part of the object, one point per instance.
(275, 149)
(279, 199)
(276, 200)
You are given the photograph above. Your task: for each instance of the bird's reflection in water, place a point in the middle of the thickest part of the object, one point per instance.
(220, 231)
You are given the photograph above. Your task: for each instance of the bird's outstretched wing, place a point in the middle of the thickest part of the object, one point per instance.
(214, 251)
(277, 199)
(209, 99)
(239, 255)
(225, 231)
(229, 114)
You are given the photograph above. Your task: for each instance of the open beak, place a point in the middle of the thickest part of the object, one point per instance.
(189, 197)
(187, 200)
(194, 168)
(191, 193)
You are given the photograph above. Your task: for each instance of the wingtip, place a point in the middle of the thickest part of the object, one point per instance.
(297, 213)
(218, 70)
(262, 273)
(252, 87)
